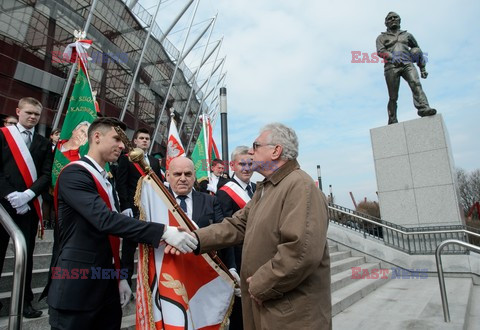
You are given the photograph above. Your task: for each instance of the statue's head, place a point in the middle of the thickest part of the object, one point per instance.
(392, 21)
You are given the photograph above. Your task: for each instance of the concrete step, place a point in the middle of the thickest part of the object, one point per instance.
(473, 318)
(332, 247)
(41, 323)
(40, 261)
(39, 279)
(344, 264)
(411, 304)
(41, 247)
(350, 294)
(342, 279)
(339, 255)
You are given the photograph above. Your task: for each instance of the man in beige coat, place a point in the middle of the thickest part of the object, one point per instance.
(285, 273)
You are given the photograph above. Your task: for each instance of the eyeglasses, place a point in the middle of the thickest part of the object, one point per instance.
(257, 145)
(10, 122)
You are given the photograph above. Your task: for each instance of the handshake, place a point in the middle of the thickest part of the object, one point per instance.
(179, 239)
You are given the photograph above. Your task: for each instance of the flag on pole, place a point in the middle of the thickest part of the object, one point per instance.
(201, 159)
(174, 144)
(177, 292)
(81, 109)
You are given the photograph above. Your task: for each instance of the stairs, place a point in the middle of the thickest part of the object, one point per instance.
(348, 287)
(41, 262)
(346, 290)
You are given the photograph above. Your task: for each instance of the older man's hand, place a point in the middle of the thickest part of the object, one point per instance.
(258, 301)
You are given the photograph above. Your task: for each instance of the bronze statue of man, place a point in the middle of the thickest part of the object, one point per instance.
(400, 50)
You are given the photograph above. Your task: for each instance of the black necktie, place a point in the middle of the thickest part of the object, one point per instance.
(183, 204)
(249, 190)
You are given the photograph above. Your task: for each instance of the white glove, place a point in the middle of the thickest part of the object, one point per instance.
(237, 290)
(18, 199)
(180, 239)
(125, 292)
(128, 212)
(22, 209)
(212, 188)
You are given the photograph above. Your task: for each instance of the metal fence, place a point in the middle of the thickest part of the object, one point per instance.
(416, 240)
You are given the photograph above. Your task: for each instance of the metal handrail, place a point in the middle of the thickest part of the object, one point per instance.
(18, 288)
(441, 278)
(406, 232)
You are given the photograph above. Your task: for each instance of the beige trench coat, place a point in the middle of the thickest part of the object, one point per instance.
(285, 251)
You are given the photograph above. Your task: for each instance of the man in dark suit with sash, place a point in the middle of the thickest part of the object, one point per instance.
(233, 196)
(25, 173)
(83, 291)
(126, 179)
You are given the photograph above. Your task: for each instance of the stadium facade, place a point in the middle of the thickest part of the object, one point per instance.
(34, 33)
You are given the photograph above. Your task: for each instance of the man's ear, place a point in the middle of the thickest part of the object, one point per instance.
(277, 152)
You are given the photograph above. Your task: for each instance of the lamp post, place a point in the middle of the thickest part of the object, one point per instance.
(319, 175)
(223, 116)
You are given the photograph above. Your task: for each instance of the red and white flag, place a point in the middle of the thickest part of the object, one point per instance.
(177, 292)
(174, 144)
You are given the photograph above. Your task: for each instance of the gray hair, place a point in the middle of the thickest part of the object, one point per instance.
(86, 123)
(240, 150)
(284, 136)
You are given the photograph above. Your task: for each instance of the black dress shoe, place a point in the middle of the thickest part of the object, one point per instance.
(29, 312)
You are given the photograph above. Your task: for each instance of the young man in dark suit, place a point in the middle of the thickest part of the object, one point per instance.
(217, 179)
(20, 189)
(84, 290)
(126, 182)
(233, 196)
(203, 209)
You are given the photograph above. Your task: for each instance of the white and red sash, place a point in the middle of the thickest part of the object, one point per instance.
(106, 194)
(239, 196)
(25, 164)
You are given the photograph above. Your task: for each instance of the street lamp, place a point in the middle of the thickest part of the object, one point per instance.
(319, 175)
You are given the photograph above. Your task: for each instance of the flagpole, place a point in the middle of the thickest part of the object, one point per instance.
(137, 69)
(195, 77)
(58, 115)
(179, 60)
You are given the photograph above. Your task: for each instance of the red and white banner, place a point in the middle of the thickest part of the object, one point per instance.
(177, 292)
(174, 144)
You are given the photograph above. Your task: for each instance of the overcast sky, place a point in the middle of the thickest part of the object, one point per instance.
(290, 61)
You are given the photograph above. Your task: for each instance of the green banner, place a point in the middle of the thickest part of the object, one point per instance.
(81, 108)
(199, 158)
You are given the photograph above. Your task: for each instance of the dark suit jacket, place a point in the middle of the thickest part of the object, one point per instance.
(126, 180)
(84, 223)
(11, 179)
(205, 211)
(229, 207)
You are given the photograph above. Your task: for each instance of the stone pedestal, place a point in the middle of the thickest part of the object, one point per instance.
(415, 173)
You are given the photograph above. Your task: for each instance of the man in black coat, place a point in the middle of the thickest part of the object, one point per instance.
(202, 208)
(18, 194)
(232, 197)
(217, 179)
(126, 183)
(83, 291)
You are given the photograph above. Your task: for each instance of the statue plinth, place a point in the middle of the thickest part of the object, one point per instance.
(415, 172)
